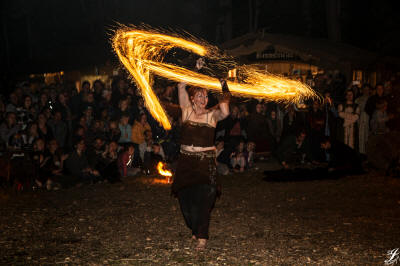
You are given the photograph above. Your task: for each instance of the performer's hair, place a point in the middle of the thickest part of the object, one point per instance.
(193, 90)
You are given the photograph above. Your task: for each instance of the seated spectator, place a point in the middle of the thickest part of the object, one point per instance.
(62, 107)
(114, 133)
(13, 103)
(58, 128)
(97, 130)
(43, 103)
(147, 146)
(152, 157)
(105, 105)
(250, 147)
(223, 160)
(9, 127)
(125, 162)
(89, 104)
(43, 129)
(293, 148)
(341, 157)
(125, 128)
(30, 135)
(95, 152)
(89, 116)
(25, 114)
(53, 167)
(77, 165)
(108, 164)
(124, 109)
(80, 134)
(239, 157)
(138, 129)
(16, 142)
(39, 160)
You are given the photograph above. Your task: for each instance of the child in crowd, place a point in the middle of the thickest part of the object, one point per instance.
(153, 157)
(222, 160)
(125, 161)
(251, 147)
(239, 158)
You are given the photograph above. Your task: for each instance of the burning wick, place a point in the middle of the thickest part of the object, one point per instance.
(164, 172)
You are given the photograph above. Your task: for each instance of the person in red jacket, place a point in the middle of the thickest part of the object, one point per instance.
(125, 162)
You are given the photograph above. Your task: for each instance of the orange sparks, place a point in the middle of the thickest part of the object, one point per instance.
(142, 52)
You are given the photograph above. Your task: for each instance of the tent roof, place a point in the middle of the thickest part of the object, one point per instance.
(317, 51)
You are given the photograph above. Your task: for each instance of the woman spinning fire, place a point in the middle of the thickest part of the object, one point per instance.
(195, 182)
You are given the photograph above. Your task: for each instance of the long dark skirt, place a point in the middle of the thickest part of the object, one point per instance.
(195, 185)
(195, 169)
(196, 204)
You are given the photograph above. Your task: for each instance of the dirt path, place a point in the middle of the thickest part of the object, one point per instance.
(351, 221)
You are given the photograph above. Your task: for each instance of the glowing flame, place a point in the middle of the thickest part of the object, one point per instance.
(142, 51)
(162, 171)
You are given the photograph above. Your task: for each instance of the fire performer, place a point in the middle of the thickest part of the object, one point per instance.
(195, 183)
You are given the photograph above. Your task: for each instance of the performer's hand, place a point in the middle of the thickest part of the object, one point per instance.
(181, 85)
(224, 85)
(200, 63)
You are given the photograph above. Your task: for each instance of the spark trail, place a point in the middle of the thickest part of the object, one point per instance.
(142, 51)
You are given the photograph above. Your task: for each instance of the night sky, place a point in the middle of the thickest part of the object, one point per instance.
(48, 35)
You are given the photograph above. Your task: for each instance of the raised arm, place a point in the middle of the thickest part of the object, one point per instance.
(183, 95)
(223, 107)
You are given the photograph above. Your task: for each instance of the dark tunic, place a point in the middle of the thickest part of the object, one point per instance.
(195, 168)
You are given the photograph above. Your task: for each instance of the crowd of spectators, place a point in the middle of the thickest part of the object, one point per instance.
(105, 133)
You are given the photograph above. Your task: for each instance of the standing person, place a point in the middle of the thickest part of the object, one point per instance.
(363, 122)
(274, 130)
(290, 122)
(370, 106)
(350, 113)
(257, 129)
(195, 182)
(331, 115)
(379, 118)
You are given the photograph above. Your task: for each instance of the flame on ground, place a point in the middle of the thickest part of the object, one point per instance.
(142, 50)
(162, 171)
